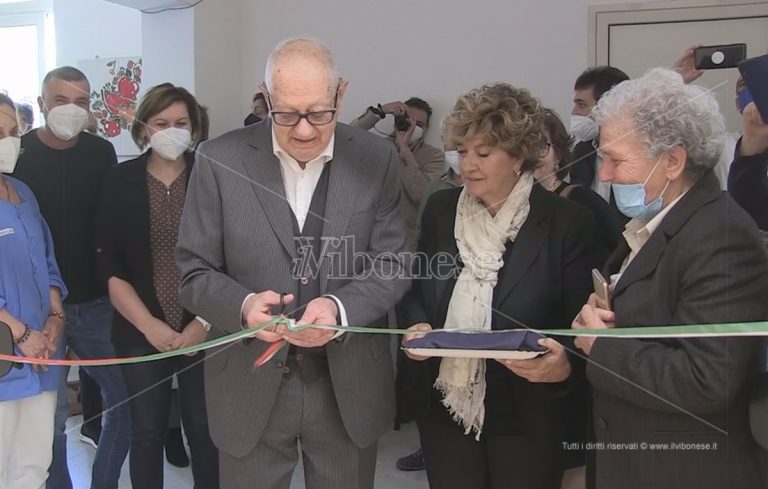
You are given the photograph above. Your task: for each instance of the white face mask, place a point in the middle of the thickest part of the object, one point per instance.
(9, 154)
(67, 121)
(583, 128)
(171, 143)
(452, 160)
(416, 135)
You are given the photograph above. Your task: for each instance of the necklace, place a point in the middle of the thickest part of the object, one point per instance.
(552, 186)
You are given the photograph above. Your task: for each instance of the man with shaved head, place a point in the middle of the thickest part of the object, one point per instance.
(298, 217)
(65, 167)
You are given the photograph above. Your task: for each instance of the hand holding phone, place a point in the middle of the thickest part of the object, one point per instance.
(755, 74)
(719, 57)
(602, 290)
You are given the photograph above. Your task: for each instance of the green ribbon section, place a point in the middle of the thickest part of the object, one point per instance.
(689, 331)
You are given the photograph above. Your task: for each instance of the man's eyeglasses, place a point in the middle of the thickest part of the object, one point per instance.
(316, 118)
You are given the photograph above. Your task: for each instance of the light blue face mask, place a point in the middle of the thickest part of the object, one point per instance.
(630, 198)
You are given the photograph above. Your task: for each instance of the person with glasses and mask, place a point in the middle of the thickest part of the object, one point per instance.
(552, 172)
(65, 167)
(31, 291)
(421, 163)
(297, 216)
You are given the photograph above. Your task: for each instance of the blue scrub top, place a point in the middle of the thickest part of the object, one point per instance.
(28, 270)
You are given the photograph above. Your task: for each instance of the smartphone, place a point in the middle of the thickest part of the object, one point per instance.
(719, 57)
(754, 71)
(6, 348)
(602, 290)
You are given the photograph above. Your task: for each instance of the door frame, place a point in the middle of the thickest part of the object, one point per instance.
(602, 17)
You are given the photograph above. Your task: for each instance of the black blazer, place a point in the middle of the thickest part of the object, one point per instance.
(543, 283)
(124, 245)
(582, 172)
(705, 263)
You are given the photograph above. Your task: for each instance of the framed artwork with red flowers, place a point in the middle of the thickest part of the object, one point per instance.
(115, 86)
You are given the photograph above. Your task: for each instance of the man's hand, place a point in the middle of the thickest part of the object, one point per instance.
(686, 65)
(754, 140)
(419, 331)
(319, 311)
(551, 367)
(161, 336)
(258, 311)
(395, 108)
(403, 139)
(52, 330)
(591, 317)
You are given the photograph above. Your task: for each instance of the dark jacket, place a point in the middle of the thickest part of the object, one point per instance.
(125, 249)
(748, 185)
(582, 172)
(705, 263)
(543, 283)
(67, 184)
(609, 223)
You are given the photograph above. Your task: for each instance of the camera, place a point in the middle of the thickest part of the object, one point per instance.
(402, 123)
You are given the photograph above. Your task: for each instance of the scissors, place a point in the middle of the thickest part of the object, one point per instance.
(277, 345)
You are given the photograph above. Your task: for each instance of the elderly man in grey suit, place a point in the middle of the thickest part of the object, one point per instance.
(302, 204)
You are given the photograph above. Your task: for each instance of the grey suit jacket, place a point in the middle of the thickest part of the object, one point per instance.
(236, 237)
(704, 264)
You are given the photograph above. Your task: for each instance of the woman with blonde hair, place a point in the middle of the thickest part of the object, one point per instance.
(523, 258)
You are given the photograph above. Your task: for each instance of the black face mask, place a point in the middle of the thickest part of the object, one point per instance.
(252, 119)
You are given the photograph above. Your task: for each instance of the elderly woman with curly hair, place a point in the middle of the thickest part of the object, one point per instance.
(523, 258)
(690, 255)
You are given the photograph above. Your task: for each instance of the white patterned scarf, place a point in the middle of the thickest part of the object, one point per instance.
(482, 240)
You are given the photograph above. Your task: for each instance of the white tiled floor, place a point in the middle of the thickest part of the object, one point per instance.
(393, 445)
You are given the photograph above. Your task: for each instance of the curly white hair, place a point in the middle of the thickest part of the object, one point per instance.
(666, 113)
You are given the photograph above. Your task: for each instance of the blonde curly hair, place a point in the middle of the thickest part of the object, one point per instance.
(500, 115)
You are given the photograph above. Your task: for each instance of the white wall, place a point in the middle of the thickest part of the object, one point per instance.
(218, 63)
(89, 28)
(168, 40)
(437, 50)
(387, 50)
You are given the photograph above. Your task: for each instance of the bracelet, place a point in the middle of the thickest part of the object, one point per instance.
(57, 314)
(24, 337)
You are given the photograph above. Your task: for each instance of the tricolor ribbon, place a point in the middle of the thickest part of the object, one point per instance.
(689, 331)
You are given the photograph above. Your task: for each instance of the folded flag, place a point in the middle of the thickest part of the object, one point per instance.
(515, 340)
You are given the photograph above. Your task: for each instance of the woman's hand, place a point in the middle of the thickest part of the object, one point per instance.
(37, 345)
(193, 334)
(161, 336)
(419, 331)
(754, 140)
(550, 367)
(591, 317)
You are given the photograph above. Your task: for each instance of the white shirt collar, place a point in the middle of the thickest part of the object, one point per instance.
(637, 232)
